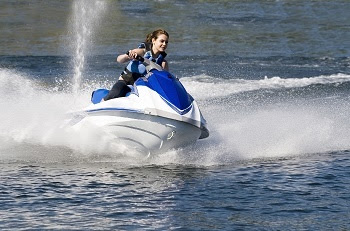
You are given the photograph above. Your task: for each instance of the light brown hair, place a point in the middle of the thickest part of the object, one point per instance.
(155, 35)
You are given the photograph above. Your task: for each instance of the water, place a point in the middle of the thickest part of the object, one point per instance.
(85, 19)
(272, 79)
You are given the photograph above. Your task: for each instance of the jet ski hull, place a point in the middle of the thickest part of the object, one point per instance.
(139, 131)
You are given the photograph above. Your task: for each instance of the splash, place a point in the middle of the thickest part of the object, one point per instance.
(85, 19)
(33, 118)
(269, 118)
(34, 125)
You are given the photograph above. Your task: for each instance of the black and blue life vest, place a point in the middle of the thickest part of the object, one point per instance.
(137, 67)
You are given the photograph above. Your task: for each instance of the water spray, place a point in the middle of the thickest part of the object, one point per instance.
(86, 16)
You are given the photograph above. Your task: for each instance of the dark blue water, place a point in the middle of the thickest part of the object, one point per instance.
(271, 78)
(295, 193)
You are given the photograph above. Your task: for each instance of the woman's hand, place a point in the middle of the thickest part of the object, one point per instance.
(132, 54)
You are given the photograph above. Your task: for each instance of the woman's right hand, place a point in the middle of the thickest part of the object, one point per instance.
(132, 54)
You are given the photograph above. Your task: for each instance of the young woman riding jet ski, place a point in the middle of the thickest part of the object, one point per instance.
(153, 48)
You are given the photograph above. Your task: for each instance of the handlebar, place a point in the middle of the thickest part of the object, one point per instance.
(150, 65)
(139, 58)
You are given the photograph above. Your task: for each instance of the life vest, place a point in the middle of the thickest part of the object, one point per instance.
(148, 55)
(137, 67)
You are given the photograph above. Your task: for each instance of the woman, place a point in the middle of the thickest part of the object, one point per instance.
(153, 48)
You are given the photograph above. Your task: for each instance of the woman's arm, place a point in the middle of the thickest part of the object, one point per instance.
(132, 55)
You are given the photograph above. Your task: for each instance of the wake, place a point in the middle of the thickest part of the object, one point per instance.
(33, 118)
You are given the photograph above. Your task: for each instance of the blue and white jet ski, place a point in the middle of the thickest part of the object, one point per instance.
(158, 114)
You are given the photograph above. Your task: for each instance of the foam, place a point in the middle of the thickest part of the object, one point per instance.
(33, 118)
(205, 87)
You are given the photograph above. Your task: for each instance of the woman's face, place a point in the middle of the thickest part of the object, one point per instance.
(160, 44)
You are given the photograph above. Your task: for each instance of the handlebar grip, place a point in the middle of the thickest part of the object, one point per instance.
(139, 58)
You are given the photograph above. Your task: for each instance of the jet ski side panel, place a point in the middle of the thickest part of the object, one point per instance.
(141, 131)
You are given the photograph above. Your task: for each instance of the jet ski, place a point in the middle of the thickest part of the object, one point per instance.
(157, 114)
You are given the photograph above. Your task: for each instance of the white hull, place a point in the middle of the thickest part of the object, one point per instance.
(146, 133)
